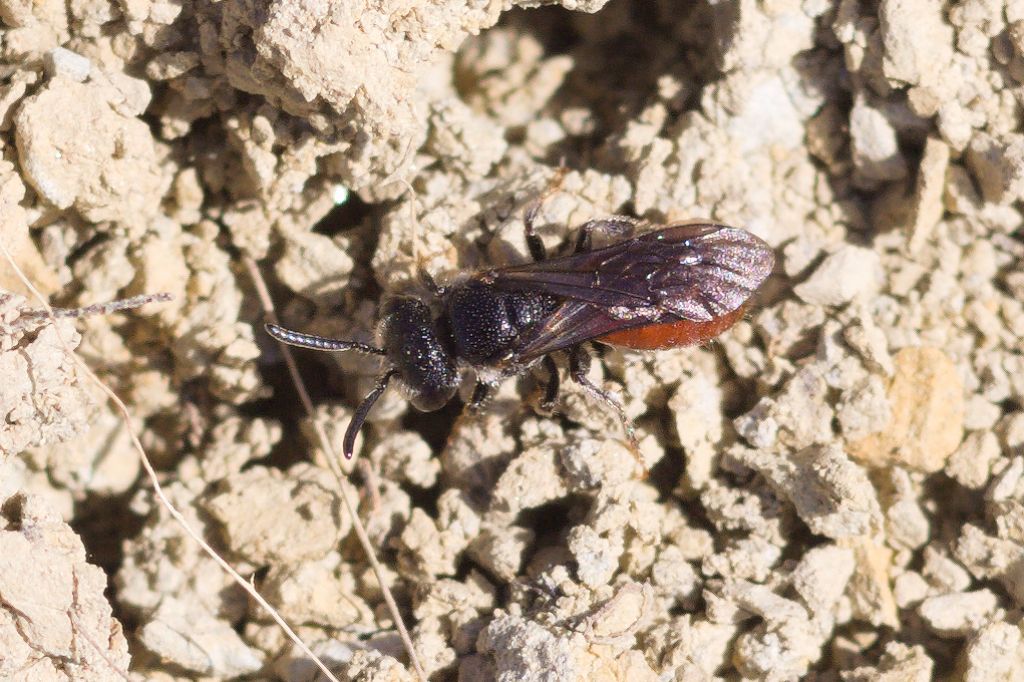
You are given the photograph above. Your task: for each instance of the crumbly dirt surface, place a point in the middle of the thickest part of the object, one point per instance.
(834, 490)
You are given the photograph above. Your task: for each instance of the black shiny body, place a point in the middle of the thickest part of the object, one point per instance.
(498, 323)
(479, 328)
(485, 323)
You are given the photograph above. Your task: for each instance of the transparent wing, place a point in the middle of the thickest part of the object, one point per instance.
(693, 271)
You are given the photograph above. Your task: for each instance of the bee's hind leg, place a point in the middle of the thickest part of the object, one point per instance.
(579, 365)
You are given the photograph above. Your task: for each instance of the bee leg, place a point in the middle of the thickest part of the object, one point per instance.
(551, 390)
(619, 226)
(533, 242)
(579, 365)
(428, 281)
(480, 394)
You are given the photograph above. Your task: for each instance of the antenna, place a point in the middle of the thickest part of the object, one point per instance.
(314, 342)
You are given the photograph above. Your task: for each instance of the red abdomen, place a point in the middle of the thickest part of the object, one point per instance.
(672, 334)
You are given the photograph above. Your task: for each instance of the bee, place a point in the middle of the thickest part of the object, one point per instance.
(678, 285)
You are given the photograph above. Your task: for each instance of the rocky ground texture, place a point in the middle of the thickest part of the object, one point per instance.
(835, 488)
